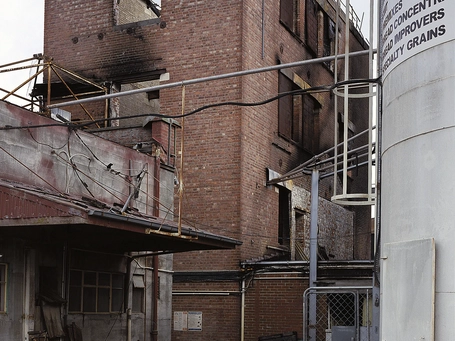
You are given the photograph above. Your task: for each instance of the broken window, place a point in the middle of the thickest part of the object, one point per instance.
(311, 24)
(289, 109)
(310, 131)
(297, 115)
(329, 33)
(284, 228)
(131, 11)
(95, 292)
(140, 103)
(3, 282)
(289, 14)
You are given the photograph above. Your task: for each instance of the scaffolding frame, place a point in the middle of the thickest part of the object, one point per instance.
(46, 67)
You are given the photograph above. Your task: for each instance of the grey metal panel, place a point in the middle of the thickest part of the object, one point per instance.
(408, 290)
(343, 333)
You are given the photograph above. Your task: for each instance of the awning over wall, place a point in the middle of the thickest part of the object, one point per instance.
(35, 214)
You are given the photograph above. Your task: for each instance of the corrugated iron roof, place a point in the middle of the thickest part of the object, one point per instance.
(31, 213)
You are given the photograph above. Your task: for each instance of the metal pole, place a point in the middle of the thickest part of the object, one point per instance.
(346, 102)
(312, 318)
(182, 144)
(377, 234)
(336, 142)
(207, 79)
(314, 227)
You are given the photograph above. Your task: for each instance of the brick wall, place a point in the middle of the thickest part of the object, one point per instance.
(274, 306)
(219, 306)
(227, 148)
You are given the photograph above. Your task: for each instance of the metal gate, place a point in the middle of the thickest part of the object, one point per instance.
(337, 314)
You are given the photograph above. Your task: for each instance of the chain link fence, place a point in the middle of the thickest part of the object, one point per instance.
(338, 314)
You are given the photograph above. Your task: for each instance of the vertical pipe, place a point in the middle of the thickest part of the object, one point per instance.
(242, 312)
(370, 104)
(313, 253)
(26, 296)
(28, 292)
(263, 25)
(181, 165)
(128, 325)
(378, 203)
(144, 324)
(155, 299)
(335, 162)
(346, 102)
(169, 131)
(156, 213)
(314, 227)
(106, 108)
(65, 277)
(48, 84)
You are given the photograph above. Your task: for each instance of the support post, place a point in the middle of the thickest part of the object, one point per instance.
(312, 318)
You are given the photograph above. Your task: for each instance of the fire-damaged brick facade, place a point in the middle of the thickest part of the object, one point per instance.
(230, 148)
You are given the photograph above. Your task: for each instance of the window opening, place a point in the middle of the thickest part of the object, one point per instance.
(301, 226)
(311, 24)
(284, 217)
(131, 11)
(95, 292)
(297, 116)
(148, 102)
(310, 135)
(289, 110)
(329, 40)
(289, 14)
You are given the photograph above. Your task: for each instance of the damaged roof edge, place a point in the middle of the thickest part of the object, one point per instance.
(166, 227)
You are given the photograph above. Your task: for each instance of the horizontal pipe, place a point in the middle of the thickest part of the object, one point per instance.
(306, 263)
(205, 293)
(208, 79)
(279, 278)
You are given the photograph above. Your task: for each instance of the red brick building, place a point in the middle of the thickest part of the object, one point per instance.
(228, 149)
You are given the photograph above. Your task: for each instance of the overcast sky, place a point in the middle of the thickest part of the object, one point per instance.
(21, 34)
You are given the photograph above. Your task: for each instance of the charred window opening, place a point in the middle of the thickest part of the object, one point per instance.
(311, 24)
(310, 128)
(289, 109)
(132, 11)
(329, 34)
(289, 14)
(284, 228)
(135, 104)
(297, 115)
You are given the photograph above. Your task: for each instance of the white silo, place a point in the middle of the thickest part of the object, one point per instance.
(417, 223)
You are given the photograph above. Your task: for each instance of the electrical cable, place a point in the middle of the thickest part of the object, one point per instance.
(200, 109)
(33, 172)
(108, 166)
(48, 145)
(88, 177)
